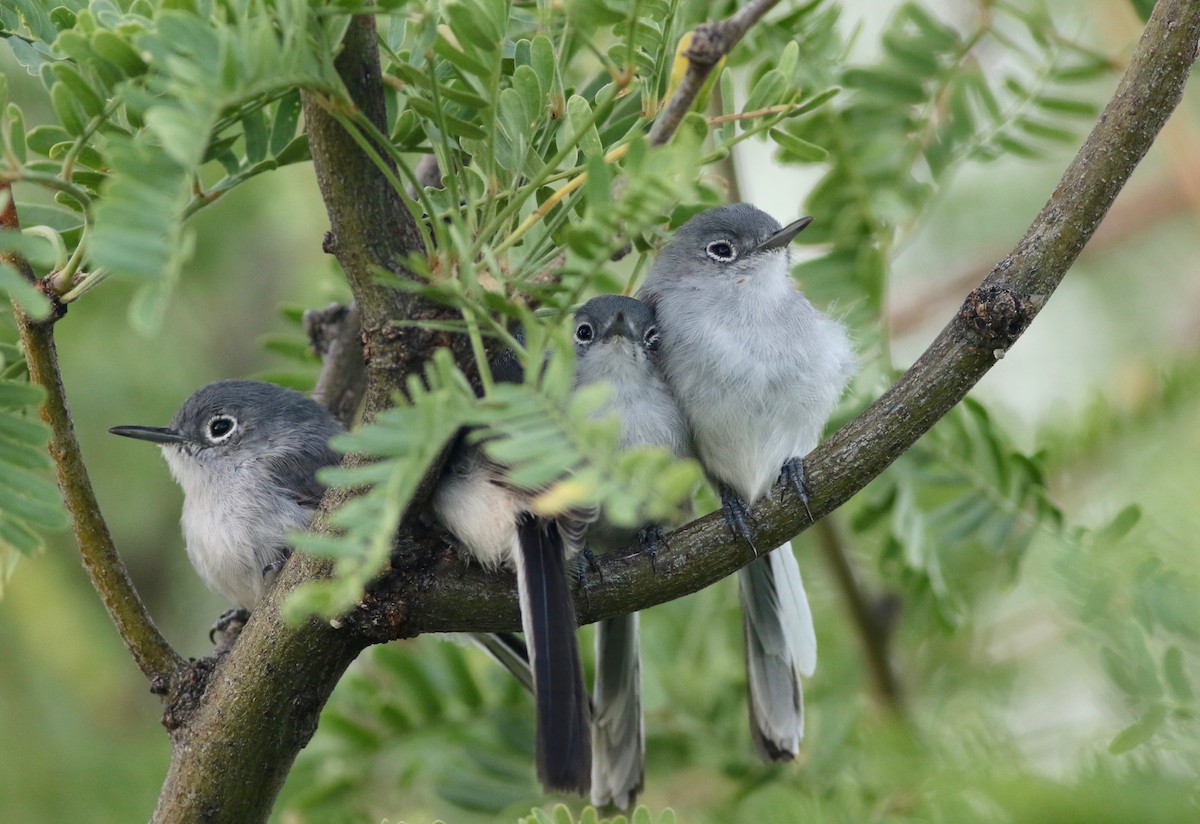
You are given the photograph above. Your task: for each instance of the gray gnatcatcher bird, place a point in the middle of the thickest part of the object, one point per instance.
(246, 454)
(491, 521)
(757, 371)
(616, 340)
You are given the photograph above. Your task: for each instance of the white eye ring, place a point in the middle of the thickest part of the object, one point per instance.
(220, 428)
(722, 251)
(584, 333)
(651, 338)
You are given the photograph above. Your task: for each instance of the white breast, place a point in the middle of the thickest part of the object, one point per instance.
(235, 528)
(756, 370)
(481, 515)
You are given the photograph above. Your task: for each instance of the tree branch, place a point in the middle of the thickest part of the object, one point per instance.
(153, 655)
(710, 43)
(874, 618)
(991, 319)
(233, 746)
(335, 334)
(371, 230)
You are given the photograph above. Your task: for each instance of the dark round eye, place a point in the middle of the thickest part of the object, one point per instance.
(220, 427)
(650, 339)
(584, 333)
(722, 251)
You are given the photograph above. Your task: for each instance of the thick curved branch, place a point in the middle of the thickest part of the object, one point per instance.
(710, 43)
(234, 745)
(154, 656)
(991, 319)
(238, 721)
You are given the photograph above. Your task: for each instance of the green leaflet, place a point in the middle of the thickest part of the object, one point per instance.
(30, 503)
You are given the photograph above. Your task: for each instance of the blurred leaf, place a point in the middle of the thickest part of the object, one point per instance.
(28, 501)
(1121, 524)
(1143, 8)
(1176, 676)
(583, 130)
(770, 90)
(797, 149)
(27, 297)
(1140, 731)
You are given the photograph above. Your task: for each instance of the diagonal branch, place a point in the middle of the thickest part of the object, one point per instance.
(991, 319)
(710, 43)
(873, 617)
(154, 656)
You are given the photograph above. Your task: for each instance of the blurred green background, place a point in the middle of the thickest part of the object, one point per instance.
(1064, 692)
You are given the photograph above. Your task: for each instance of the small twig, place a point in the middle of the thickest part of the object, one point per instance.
(710, 43)
(726, 165)
(154, 656)
(873, 617)
(717, 120)
(336, 336)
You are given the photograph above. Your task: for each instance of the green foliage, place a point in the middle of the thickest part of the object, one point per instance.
(956, 513)
(148, 101)
(548, 438)
(927, 104)
(301, 372)
(405, 439)
(29, 503)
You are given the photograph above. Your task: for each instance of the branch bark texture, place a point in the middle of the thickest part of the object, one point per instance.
(370, 229)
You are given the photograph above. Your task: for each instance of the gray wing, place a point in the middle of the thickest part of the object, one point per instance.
(296, 473)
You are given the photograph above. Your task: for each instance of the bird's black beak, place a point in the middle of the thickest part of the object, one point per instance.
(620, 325)
(784, 236)
(154, 434)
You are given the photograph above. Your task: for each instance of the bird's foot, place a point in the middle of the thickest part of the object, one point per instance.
(737, 515)
(792, 475)
(592, 564)
(651, 538)
(271, 571)
(230, 623)
(584, 564)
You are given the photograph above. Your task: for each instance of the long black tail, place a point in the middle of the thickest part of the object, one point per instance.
(564, 748)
